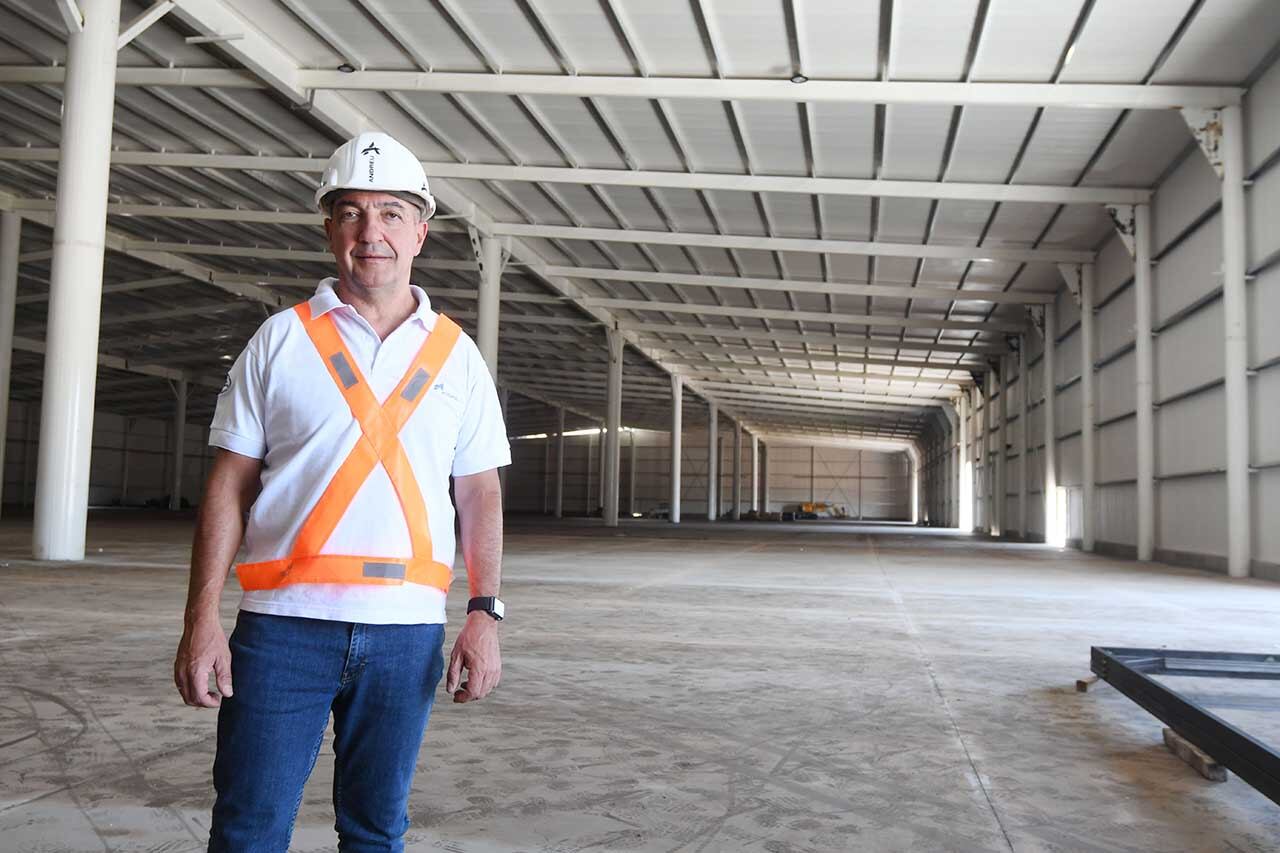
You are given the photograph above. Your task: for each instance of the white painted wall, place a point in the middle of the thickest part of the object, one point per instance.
(873, 482)
(149, 455)
(1191, 525)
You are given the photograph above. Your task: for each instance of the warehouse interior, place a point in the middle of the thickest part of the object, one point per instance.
(864, 362)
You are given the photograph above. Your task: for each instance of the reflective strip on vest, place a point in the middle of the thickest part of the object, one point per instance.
(379, 443)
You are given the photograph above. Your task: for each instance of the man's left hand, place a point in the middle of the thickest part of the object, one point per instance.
(476, 650)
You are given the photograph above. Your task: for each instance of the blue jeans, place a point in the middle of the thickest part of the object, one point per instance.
(289, 673)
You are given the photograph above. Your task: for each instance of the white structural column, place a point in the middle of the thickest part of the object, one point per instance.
(988, 450)
(1088, 415)
(713, 462)
(487, 306)
(1143, 386)
(677, 430)
(10, 246)
(1024, 470)
(755, 473)
(964, 478)
(179, 442)
(613, 438)
(1234, 310)
(75, 288)
(1050, 488)
(1002, 449)
(631, 475)
(979, 433)
(736, 513)
(559, 505)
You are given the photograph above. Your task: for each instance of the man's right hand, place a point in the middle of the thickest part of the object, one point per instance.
(203, 649)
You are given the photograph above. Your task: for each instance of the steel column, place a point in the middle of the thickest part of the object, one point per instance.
(1234, 310)
(677, 430)
(559, 505)
(713, 462)
(764, 485)
(613, 438)
(631, 476)
(736, 512)
(988, 450)
(1047, 365)
(964, 480)
(1024, 470)
(10, 248)
(755, 473)
(487, 307)
(1002, 450)
(1088, 420)
(79, 236)
(179, 442)
(1143, 386)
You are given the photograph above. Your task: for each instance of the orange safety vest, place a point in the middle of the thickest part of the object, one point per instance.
(379, 442)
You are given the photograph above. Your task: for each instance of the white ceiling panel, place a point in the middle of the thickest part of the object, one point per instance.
(848, 267)
(771, 133)
(403, 126)
(685, 210)
(757, 263)
(790, 214)
(838, 39)
(1147, 142)
(574, 129)
(483, 195)
(293, 36)
(736, 213)
(703, 127)
(987, 141)
(585, 208)
(634, 207)
(930, 39)
(1121, 40)
(959, 223)
(672, 259)
(915, 138)
(1080, 225)
(626, 255)
(1064, 141)
(903, 220)
(895, 269)
(583, 30)
(712, 261)
(453, 128)
(665, 37)
(1225, 42)
(843, 138)
(806, 265)
(502, 117)
(640, 132)
(1019, 224)
(502, 31)
(534, 204)
(1022, 40)
(845, 217)
(750, 37)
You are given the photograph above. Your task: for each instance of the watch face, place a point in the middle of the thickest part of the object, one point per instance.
(499, 609)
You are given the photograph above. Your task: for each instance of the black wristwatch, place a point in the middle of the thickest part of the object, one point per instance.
(490, 604)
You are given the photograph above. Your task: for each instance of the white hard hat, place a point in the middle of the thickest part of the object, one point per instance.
(375, 161)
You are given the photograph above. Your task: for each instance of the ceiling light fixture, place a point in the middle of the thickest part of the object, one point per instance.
(799, 78)
(347, 68)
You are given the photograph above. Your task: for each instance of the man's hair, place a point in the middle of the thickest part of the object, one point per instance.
(334, 197)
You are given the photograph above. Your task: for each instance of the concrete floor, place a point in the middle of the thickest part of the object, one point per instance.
(752, 687)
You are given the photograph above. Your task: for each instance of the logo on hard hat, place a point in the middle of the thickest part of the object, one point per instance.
(372, 147)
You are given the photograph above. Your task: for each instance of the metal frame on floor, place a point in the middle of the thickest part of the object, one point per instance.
(1131, 672)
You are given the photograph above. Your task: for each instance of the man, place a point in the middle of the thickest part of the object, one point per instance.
(338, 429)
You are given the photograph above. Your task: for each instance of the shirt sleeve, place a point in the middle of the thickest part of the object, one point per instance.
(239, 416)
(482, 436)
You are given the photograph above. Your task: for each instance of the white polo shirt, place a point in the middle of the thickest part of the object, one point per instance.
(280, 405)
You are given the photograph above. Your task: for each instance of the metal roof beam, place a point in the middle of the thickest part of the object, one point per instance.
(914, 322)
(1081, 95)
(648, 330)
(643, 178)
(1085, 95)
(906, 290)
(794, 244)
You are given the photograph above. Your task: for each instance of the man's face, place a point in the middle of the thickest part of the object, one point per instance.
(374, 238)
